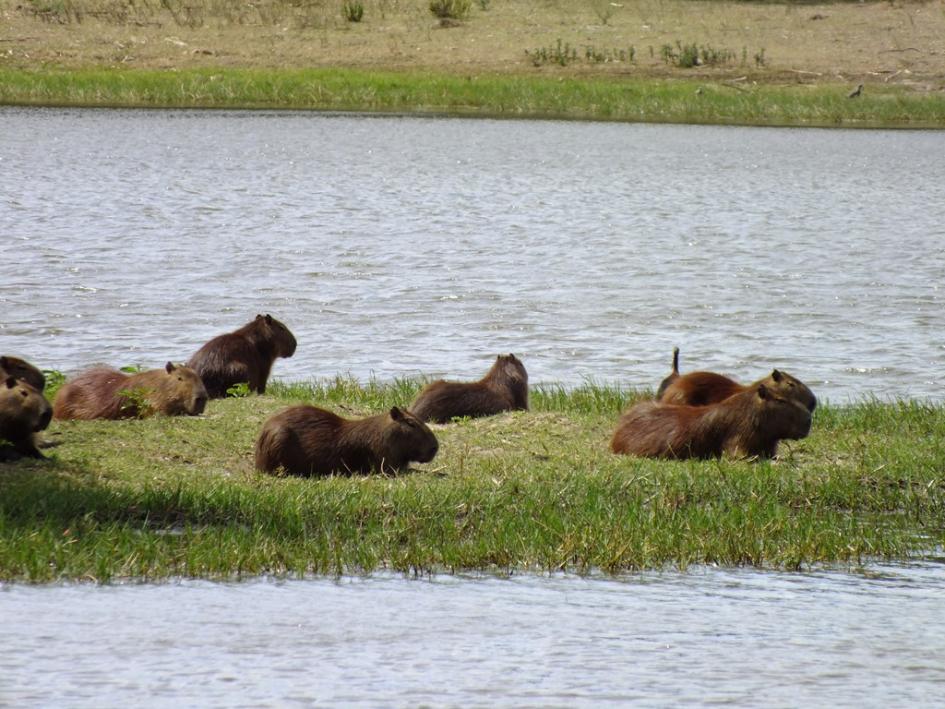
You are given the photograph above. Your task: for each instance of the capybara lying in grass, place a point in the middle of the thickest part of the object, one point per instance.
(243, 356)
(304, 440)
(746, 424)
(21, 369)
(504, 388)
(104, 393)
(24, 412)
(701, 388)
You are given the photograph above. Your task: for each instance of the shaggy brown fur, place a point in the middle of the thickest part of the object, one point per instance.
(304, 440)
(702, 388)
(104, 393)
(747, 424)
(24, 412)
(243, 356)
(504, 388)
(21, 369)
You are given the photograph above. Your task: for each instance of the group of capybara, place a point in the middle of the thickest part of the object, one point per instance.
(695, 415)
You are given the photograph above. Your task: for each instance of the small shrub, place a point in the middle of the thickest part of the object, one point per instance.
(238, 390)
(352, 10)
(450, 9)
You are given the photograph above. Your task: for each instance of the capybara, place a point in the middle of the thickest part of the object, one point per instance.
(504, 388)
(672, 376)
(746, 424)
(21, 369)
(104, 393)
(304, 440)
(243, 356)
(702, 388)
(24, 412)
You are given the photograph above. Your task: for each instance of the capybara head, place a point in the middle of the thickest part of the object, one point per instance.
(278, 334)
(23, 408)
(785, 385)
(510, 368)
(21, 369)
(782, 416)
(407, 438)
(178, 390)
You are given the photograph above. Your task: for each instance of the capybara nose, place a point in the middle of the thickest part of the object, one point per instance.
(200, 403)
(813, 404)
(44, 420)
(432, 452)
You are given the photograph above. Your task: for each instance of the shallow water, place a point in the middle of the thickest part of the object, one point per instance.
(711, 636)
(404, 246)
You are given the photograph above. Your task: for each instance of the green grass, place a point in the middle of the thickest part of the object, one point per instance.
(613, 99)
(534, 490)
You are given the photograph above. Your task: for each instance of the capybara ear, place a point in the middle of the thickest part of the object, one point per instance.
(259, 316)
(776, 375)
(268, 319)
(763, 392)
(396, 414)
(169, 367)
(11, 382)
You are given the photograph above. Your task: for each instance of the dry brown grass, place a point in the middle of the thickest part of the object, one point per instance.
(894, 42)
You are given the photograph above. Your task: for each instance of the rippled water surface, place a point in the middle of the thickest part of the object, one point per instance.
(404, 246)
(711, 636)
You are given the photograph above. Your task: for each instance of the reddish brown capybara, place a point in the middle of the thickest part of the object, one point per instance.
(305, 440)
(671, 377)
(24, 412)
(702, 388)
(746, 424)
(21, 369)
(244, 356)
(504, 388)
(104, 393)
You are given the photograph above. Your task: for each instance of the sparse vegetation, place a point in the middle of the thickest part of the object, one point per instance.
(450, 9)
(352, 10)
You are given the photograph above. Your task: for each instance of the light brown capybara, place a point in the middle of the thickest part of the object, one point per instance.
(305, 440)
(244, 356)
(702, 388)
(24, 412)
(104, 393)
(21, 369)
(504, 388)
(746, 424)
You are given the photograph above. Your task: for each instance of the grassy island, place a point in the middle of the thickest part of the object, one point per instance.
(686, 61)
(537, 490)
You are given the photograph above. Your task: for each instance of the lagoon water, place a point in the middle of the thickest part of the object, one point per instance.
(399, 247)
(407, 246)
(708, 637)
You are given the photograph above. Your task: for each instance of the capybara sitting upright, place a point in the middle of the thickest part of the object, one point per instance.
(24, 412)
(504, 388)
(304, 440)
(21, 369)
(747, 424)
(702, 388)
(104, 393)
(243, 356)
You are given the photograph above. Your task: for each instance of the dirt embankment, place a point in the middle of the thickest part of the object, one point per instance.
(891, 42)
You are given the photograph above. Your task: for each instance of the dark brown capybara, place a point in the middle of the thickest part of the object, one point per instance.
(104, 393)
(702, 388)
(21, 369)
(671, 377)
(305, 440)
(746, 424)
(504, 388)
(24, 412)
(244, 356)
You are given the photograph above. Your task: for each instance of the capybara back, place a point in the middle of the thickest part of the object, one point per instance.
(504, 388)
(244, 356)
(307, 441)
(24, 412)
(104, 393)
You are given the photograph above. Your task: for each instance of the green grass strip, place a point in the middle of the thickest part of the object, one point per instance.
(535, 490)
(611, 99)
